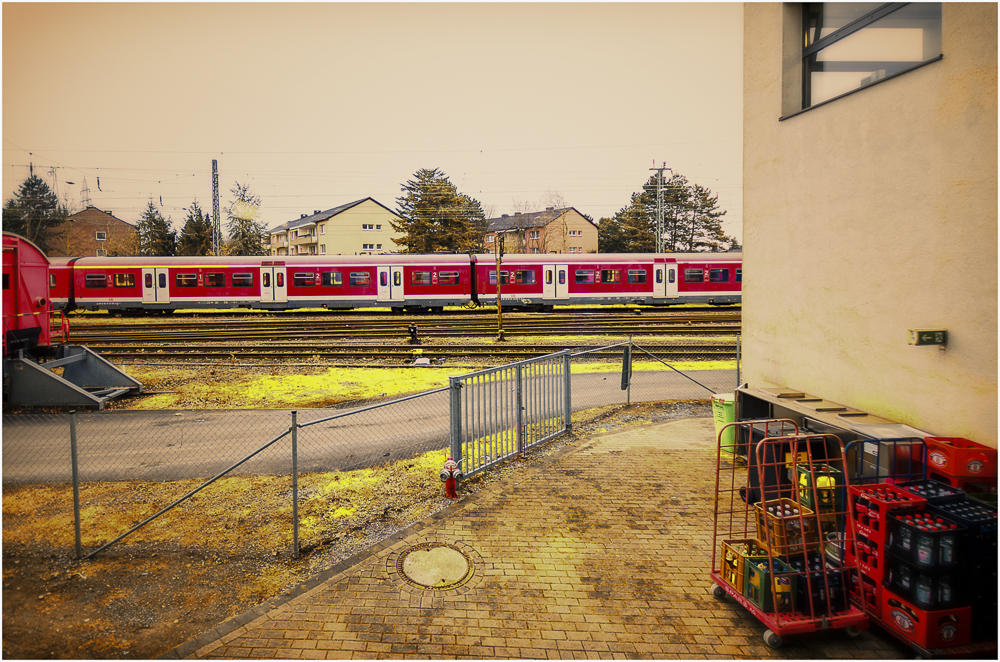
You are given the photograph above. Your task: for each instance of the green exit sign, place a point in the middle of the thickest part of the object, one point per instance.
(928, 336)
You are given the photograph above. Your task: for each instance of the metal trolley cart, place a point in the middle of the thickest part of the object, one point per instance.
(927, 554)
(780, 543)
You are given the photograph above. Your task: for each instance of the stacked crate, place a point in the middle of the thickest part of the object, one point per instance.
(915, 547)
(962, 463)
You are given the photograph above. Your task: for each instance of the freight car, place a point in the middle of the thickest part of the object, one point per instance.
(399, 282)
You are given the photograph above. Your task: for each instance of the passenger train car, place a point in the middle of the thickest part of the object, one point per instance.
(399, 282)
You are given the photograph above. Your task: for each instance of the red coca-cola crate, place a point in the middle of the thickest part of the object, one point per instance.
(955, 456)
(869, 558)
(941, 628)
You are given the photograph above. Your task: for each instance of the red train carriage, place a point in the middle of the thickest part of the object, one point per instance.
(26, 305)
(715, 278)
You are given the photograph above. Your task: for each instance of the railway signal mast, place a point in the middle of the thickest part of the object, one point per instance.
(659, 205)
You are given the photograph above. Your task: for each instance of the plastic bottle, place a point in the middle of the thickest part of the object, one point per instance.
(946, 547)
(944, 590)
(925, 550)
(904, 538)
(922, 595)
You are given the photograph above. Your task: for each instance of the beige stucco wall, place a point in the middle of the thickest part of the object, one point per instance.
(556, 234)
(344, 234)
(871, 215)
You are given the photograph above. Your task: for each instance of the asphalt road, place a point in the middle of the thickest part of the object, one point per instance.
(168, 445)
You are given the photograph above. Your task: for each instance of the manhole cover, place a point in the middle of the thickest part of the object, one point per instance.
(435, 565)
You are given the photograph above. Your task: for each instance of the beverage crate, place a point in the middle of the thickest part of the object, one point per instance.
(734, 553)
(824, 482)
(925, 540)
(786, 526)
(869, 557)
(932, 490)
(758, 585)
(927, 588)
(980, 522)
(957, 457)
(867, 594)
(872, 505)
(820, 588)
(935, 629)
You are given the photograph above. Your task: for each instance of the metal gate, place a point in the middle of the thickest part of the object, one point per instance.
(499, 412)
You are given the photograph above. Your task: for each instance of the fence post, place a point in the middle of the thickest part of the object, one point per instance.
(455, 427)
(76, 484)
(738, 383)
(567, 392)
(519, 404)
(295, 484)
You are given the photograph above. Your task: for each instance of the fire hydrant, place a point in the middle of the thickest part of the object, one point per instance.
(450, 475)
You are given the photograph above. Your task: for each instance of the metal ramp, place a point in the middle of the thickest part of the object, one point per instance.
(88, 380)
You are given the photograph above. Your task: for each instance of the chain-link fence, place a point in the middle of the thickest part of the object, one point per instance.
(170, 446)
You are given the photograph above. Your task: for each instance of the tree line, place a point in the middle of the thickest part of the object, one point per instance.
(433, 216)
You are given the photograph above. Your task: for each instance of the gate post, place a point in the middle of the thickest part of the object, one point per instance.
(519, 404)
(76, 484)
(455, 418)
(567, 394)
(295, 484)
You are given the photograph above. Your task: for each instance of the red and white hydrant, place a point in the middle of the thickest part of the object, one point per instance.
(450, 475)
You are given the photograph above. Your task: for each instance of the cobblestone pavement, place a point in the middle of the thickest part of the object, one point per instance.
(601, 551)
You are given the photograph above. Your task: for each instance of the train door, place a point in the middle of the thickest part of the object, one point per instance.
(665, 275)
(390, 284)
(555, 281)
(155, 285)
(273, 285)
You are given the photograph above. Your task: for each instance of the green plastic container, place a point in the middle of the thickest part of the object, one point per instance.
(724, 410)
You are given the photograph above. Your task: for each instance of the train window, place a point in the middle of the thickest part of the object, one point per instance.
(303, 279)
(242, 280)
(332, 278)
(186, 280)
(637, 275)
(52, 282)
(215, 280)
(95, 281)
(694, 275)
(611, 275)
(504, 277)
(383, 279)
(718, 275)
(397, 278)
(659, 275)
(279, 279)
(584, 276)
(420, 278)
(739, 275)
(671, 275)
(124, 280)
(448, 278)
(360, 278)
(147, 280)
(562, 276)
(524, 277)
(162, 280)
(548, 276)
(265, 279)
(6, 281)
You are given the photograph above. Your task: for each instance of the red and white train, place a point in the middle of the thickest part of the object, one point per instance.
(399, 282)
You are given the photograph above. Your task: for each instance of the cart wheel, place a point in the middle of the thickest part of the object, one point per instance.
(852, 631)
(771, 639)
(718, 591)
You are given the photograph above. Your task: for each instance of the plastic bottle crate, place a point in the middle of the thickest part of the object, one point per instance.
(957, 457)
(757, 584)
(780, 527)
(980, 522)
(932, 490)
(734, 553)
(819, 588)
(829, 487)
(924, 539)
(942, 628)
(927, 588)
(869, 557)
(874, 503)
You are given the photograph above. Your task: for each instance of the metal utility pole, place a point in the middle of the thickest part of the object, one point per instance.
(500, 236)
(659, 206)
(216, 230)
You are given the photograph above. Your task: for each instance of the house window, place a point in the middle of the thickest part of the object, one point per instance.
(576, 233)
(489, 239)
(102, 236)
(378, 228)
(101, 252)
(378, 247)
(534, 234)
(367, 226)
(322, 229)
(850, 45)
(575, 249)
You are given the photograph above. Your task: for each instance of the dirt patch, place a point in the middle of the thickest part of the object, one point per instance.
(140, 599)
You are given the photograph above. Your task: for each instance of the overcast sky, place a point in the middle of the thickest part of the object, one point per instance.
(317, 105)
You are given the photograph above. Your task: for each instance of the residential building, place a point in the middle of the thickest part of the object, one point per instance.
(362, 226)
(870, 208)
(550, 231)
(93, 232)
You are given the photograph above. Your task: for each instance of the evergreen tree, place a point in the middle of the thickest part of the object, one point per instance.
(246, 232)
(692, 221)
(33, 212)
(436, 217)
(156, 239)
(196, 235)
